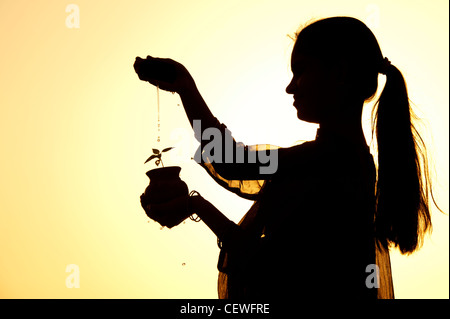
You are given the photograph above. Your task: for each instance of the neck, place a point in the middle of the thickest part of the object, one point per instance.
(346, 123)
(350, 131)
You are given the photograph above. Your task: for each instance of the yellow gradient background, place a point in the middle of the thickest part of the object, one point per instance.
(77, 125)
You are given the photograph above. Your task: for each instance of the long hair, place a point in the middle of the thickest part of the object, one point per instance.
(403, 185)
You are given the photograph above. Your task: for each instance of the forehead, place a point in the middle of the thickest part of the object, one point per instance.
(298, 55)
(298, 59)
(301, 60)
(302, 57)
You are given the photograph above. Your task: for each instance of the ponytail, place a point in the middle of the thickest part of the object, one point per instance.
(402, 188)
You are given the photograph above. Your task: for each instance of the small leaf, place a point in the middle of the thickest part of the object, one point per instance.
(166, 149)
(150, 158)
(155, 151)
(157, 162)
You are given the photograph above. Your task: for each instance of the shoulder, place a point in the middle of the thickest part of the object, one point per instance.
(298, 158)
(304, 152)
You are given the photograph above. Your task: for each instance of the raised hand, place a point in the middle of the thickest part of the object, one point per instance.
(168, 74)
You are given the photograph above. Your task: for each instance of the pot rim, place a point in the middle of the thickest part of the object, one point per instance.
(164, 171)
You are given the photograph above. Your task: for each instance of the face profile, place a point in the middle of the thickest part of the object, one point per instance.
(312, 87)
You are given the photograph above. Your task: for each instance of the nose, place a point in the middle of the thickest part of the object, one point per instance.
(291, 87)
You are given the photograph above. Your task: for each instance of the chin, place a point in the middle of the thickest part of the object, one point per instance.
(306, 117)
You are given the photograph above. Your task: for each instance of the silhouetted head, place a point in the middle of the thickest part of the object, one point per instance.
(335, 64)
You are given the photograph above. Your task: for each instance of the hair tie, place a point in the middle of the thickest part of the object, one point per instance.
(385, 65)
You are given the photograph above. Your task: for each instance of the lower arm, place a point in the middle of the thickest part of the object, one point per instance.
(211, 216)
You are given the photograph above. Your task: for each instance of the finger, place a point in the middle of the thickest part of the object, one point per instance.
(153, 214)
(170, 213)
(173, 205)
(143, 200)
(155, 82)
(161, 84)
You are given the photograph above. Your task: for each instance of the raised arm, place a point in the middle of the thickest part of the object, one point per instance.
(172, 76)
(230, 161)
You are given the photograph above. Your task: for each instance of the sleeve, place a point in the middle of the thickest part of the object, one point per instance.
(238, 168)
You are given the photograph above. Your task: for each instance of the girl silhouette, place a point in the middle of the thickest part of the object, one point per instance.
(324, 221)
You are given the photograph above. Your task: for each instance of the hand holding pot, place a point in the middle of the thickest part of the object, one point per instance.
(168, 214)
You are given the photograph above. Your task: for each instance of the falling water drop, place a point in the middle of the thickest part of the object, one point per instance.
(159, 124)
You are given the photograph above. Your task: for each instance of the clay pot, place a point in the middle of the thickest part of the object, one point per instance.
(166, 185)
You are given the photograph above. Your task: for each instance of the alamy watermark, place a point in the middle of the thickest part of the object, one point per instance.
(373, 279)
(218, 146)
(73, 279)
(222, 149)
(73, 19)
(213, 150)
